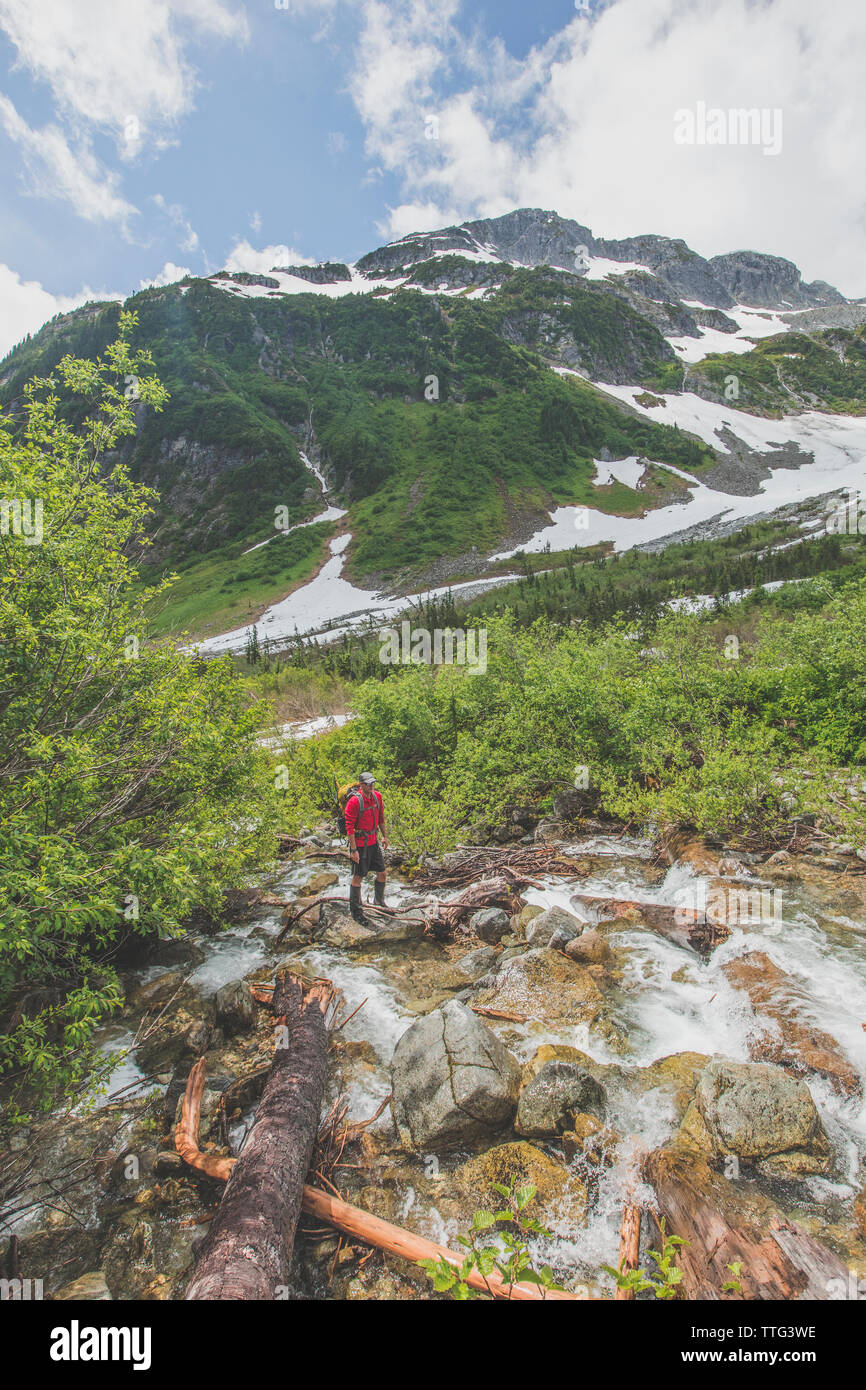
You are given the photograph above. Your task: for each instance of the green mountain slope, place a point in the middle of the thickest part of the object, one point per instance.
(439, 413)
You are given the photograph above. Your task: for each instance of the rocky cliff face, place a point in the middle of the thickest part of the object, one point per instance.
(770, 282)
(534, 237)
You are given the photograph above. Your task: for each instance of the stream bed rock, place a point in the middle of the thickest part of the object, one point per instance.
(758, 1113)
(452, 1080)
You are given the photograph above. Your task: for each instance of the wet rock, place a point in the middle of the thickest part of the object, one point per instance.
(311, 914)
(553, 922)
(157, 992)
(590, 948)
(677, 1076)
(57, 1253)
(549, 1103)
(756, 1112)
(452, 1080)
(169, 1163)
(319, 883)
(543, 985)
(798, 1045)
(343, 933)
(234, 1009)
(525, 916)
(477, 963)
(146, 1257)
(87, 1288)
(490, 924)
(548, 830)
(561, 1197)
(574, 1141)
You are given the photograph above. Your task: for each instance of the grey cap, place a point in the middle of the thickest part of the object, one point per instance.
(367, 777)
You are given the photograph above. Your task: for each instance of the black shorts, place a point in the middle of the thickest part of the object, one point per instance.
(370, 860)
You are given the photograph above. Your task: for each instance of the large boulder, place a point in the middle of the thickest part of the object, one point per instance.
(760, 1114)
(452, 1081)
(553, 923)
(490, 924)
(556, 1095)
(543, 985)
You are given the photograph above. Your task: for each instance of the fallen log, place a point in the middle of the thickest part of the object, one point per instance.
(629, 1247)
(343, 1217)
(724, 1228)
(687, 926)
(247, 1252)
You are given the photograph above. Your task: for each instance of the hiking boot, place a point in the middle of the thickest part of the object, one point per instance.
(355, 905)
(379, 894)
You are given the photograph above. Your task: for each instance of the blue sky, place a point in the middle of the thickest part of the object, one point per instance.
(143, 138)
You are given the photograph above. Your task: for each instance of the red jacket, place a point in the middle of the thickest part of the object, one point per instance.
(364, 827)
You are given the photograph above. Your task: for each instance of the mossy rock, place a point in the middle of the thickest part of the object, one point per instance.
(561, 1199)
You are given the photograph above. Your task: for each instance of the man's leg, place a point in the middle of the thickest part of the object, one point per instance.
(355, 889)
(379, 890)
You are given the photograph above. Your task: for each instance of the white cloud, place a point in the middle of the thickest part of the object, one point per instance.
(243, 256)
(169, 275)
(116, 69)
(57, 170)
(109, 64)
(176, 215)
(25, 306)
(584, 123)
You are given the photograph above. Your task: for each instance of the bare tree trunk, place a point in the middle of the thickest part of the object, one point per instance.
(248, 1250)
(779, 1260)
(629, 1247)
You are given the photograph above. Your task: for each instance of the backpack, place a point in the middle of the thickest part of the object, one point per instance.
(344, 795)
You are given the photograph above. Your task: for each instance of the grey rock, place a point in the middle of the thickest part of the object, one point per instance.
(756, 1111)
(554, 922)
(490, 924)
(476, 963)
(549, 829)
(452, 1080)
(567, 805)
(556, 1094)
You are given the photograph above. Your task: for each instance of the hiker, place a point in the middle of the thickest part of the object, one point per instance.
(365, 815)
